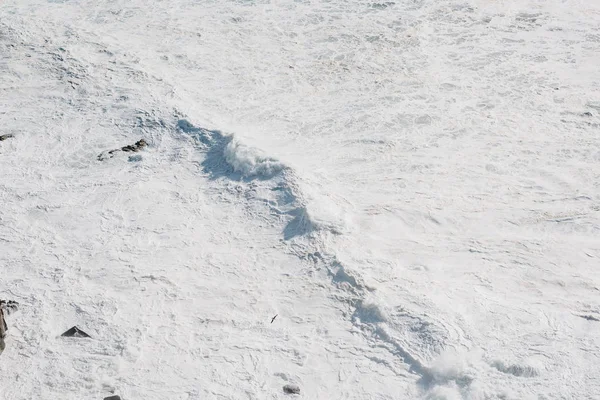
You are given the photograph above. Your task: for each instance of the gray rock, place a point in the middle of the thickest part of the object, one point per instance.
(291, 389)
(140, 144)
(113, 398)
(7, 136)
(6, 308)
(75, 332)
(137, 146)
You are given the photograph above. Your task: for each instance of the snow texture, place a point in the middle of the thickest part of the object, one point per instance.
(411, 187)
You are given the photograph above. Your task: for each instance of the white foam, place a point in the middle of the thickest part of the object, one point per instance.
(444, 392)
(250, 161)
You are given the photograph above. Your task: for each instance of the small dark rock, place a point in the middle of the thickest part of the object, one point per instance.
(291, 389)
(588, 114)
(75, 332)
(137, 146)
(9, 306)
(140, 144)
(3, 329)
(113, 398)
(7, 136)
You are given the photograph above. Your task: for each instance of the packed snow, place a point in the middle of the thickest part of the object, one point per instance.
(338, 200)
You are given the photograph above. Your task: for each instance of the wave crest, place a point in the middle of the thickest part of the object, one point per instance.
(250, 161)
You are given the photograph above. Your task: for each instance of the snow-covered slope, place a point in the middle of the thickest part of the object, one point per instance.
(411, 187)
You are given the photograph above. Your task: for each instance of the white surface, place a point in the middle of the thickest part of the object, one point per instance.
(412, 187)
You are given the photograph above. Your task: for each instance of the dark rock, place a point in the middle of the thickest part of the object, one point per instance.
(137, 146)
(7, 136)
(7, 307)
(113, 398)
(140, 144)
(291, 389)
(588, 114)
(3, 328)
(75, 332)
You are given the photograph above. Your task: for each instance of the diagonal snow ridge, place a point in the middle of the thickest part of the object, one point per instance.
(272, 182)
(414, 339)
(244, 160)
(417, 339)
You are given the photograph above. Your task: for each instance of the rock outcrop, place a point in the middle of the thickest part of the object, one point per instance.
(137, 146)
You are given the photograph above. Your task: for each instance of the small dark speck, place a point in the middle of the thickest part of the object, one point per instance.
(273, 319)
(590, 318)
(291, 389)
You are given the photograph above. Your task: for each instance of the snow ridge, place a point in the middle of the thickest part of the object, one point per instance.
(264, 180)
(227, 157)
